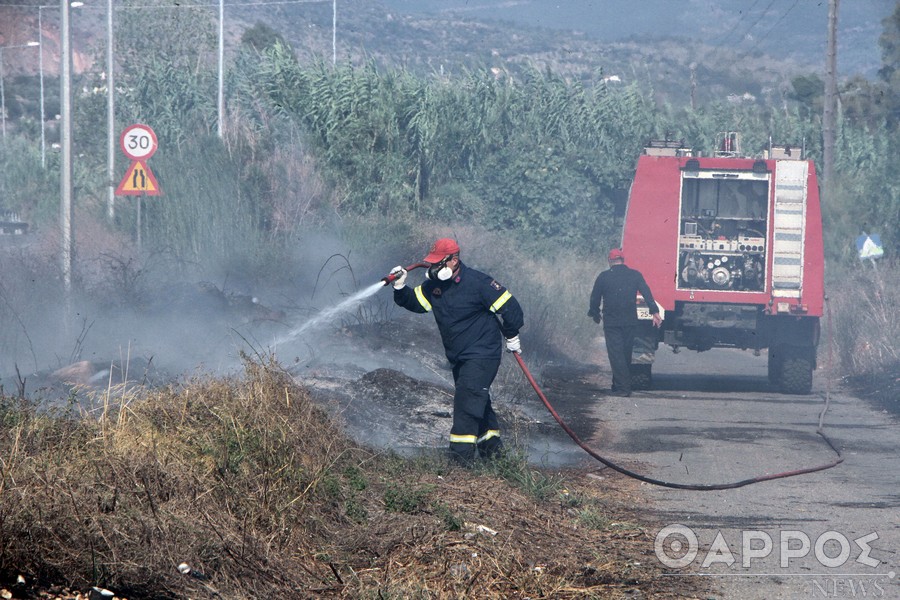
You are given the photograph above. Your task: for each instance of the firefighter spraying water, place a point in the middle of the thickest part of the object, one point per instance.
(475, 315)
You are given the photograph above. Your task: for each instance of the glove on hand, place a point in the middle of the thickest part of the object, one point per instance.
(596, 317)
(400, 282)
(514, 345)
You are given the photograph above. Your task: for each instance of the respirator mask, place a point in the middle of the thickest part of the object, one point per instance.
(440, 271)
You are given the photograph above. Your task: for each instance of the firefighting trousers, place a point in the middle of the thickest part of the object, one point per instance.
(619, 345)
(475, 426)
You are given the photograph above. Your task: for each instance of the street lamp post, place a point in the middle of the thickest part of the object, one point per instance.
(110, 115)
(65, 165)
(221, 91)
(2, 91)
(41, 70)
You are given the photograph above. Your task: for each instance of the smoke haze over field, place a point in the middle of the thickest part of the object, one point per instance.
(178, 321)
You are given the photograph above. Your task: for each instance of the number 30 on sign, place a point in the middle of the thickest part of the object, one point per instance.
(138, 142)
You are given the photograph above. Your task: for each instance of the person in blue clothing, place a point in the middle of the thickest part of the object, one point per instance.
(613, 302)
(466, 305)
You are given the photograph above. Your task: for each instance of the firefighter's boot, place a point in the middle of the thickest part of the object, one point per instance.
(462, 454)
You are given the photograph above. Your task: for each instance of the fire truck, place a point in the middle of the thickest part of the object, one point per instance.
(731, 247)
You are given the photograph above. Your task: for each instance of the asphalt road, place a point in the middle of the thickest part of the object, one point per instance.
(712, 418)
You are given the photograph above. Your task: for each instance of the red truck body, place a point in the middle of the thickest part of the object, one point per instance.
(732, 249)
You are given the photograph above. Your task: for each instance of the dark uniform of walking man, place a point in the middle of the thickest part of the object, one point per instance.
(465, 303)
(613, 302)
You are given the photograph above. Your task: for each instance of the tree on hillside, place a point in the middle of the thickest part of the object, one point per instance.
(863, 102)
(890, 46)
(808, 91)
(890, 60)
(261, 36)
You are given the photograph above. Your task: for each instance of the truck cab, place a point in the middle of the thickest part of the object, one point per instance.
(731, 246)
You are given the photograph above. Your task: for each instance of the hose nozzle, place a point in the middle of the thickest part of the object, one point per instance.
(392, 277)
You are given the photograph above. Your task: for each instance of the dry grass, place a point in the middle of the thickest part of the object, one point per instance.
(864, 329)
(862, 333)
(248, 482)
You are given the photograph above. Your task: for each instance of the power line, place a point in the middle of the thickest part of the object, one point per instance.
(737, 23)
(766, 34)
(760, 18)
(719, 41)
(216, 5)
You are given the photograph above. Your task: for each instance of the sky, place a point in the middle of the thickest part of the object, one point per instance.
(797, 27)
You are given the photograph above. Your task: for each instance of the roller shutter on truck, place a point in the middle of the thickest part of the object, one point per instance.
(788, 227)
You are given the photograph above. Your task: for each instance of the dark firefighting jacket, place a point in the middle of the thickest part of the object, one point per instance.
(465, 309)
(616, 289)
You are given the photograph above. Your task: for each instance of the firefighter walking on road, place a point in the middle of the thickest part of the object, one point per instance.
(466, 304)
(613, 302)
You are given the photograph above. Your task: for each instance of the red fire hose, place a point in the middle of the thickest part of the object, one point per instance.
(677, 486)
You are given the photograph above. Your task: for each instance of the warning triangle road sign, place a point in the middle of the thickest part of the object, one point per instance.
(869, 246)
(138, 181)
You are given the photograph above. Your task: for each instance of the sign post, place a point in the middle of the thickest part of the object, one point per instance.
(139, 143)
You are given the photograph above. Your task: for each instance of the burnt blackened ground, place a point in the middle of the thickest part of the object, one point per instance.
(391, 387)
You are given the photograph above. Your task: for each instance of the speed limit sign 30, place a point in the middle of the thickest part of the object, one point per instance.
(138, 142)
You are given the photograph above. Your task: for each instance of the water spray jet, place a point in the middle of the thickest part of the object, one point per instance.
(347, 304)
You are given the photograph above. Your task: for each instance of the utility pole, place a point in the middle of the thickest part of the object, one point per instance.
(221, 92)
(828, 113)
(65, 170)
(43, 112)
(110, 115)
(41, 71)
(693, 86)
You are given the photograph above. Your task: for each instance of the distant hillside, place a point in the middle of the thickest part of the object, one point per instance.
(454, 36)
(797, 27)
(447, 43)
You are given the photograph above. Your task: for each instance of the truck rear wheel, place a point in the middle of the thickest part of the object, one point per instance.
(641, 377)
(796, 375)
